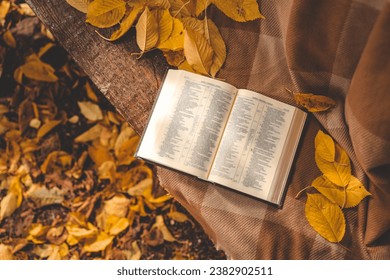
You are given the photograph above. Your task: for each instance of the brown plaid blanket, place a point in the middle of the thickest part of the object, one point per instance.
(336, 48)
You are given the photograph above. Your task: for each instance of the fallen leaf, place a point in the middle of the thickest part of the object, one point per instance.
(154, 237)
(179, 8)
(239, 10)
(99, 153)
(141, 187)
(37, 233)
(127, 23)
(9, 39)
(175, 41)
(324, 146)
(8, 205)
(125, 152)
(90, 135)
(165, 24)
(42, 196)
(4, 8)
(159, 224)
(114, 225)
(347, 197)
(198, 52)
(325, 217)
(25, 9)
(147, 30)
(90, 93)
(105, 13)
(6, 252)
(313, 102)
(90, 111)
(107, 171)
(218, 45)
(117, 206)
(57, 235)
(99, 243)
(80, 5)
(37, 70)
(135, 252)
(337, 171)
(47, 127)
(56, 160)
(126, 133)
(178, 216)
(160, 4)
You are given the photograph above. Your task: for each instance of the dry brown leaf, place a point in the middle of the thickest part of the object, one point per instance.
(147, 30)
(42, 196)
(80, 5)
(239, 10)
(198, 52)
(105, 13)
(57, 235)
(314, 103)
(90, 111)
(325, 217)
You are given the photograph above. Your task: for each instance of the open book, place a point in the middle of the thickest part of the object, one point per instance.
(233, 137)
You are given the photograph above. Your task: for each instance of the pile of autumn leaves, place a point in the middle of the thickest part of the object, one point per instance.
(337, 188)
(172, 26)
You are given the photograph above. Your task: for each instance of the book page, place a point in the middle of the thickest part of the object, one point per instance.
(252, 144)
(187, 122)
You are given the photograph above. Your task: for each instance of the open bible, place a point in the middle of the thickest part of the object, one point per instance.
(233, 137)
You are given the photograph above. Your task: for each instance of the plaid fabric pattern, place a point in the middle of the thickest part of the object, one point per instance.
(336, 48)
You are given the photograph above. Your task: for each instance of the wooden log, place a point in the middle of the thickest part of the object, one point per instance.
(130, 84)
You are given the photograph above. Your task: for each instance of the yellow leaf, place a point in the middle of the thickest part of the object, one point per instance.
(147, 31)
(47, 127)
(4, 8)
(159, 199)
(347, 197)
(135, 252)
(126, 133)
(159, 224)
(165, 24)
(179, 8)
(90, 111)
(127, 23)
(90, 135)
(133, 176)
(200, 6)
(337, 171)
(37, 70)
(161, 4)
(118, 206)
(325, 217)
(198, 51)
(115, 225)
(99, 153)
(125, 153)
(99, 243)
(107, 171)
(8, 205)
(140, 188)
(324, 146)
(80, 5)
(90, 93)
(9, 39)
(239, 10)
(37, 233)
(6, 252)
(105, 13)
(175, 41)
(24, 9)
(56, 160)
(218, 45)
(178, 216)
(314, 103)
